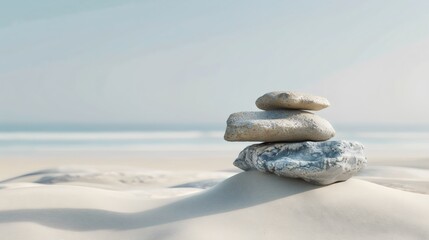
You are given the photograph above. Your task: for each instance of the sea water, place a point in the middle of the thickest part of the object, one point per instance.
(403, 140)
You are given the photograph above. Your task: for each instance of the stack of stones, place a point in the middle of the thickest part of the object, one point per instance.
(295, 141)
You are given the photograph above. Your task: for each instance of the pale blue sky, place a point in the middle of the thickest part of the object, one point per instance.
(140, 62)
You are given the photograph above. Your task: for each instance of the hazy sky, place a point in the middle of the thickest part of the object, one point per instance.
(141, 62)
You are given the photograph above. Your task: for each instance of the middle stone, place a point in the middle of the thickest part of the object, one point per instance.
(277, 126)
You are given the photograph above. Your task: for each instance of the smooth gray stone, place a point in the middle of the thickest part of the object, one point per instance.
(277, 126)
(321, 163)
(291, 100)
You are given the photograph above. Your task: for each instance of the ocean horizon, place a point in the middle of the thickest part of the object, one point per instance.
(402, 140)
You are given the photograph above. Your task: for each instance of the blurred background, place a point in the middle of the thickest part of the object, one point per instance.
(88, 76)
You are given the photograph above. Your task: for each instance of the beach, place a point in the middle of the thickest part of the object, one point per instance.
(66, 192)
(204, 120)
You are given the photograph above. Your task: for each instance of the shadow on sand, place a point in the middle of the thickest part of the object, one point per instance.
(241, 191)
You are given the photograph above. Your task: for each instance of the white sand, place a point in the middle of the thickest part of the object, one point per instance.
(148, 197)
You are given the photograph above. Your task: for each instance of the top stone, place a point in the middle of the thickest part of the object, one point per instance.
(291, 100)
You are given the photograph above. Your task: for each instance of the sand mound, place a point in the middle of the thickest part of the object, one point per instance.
(112, 178)
(249, 205)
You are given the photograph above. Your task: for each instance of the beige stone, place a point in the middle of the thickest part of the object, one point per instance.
(291, 100)
(277, 126)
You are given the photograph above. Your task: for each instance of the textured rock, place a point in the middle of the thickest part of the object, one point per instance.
(320, 163)
(291, 100)
(277, 126)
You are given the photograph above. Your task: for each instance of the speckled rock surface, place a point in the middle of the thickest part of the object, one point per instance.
(321, 163)
(277, 126)
(291, 100)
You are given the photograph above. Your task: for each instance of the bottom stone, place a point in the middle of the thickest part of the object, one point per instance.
(321, 163)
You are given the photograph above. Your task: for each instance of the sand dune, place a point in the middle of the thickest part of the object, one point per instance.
(249, 205)
(120, 178)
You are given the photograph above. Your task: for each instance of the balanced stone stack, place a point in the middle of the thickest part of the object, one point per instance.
(295, 140)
